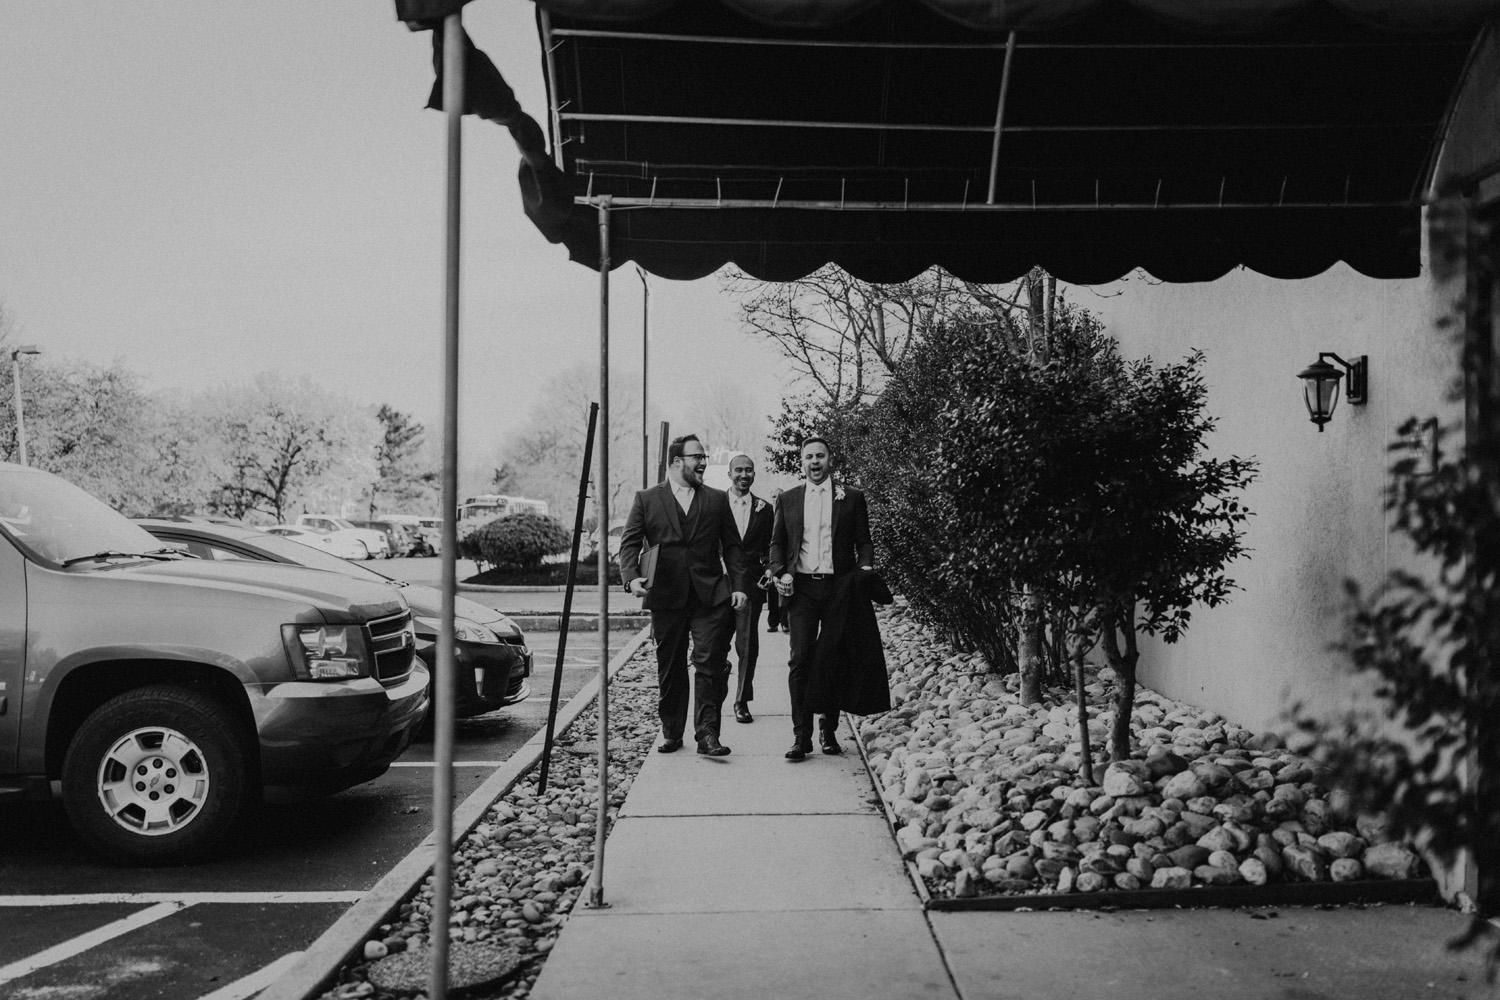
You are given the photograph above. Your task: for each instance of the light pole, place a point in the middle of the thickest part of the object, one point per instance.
(645, 350)
(15, 375)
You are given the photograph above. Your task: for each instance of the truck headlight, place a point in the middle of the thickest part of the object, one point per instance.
(464, 629)
(327, 652)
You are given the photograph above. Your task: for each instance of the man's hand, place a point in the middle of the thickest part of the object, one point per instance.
(737, 600)
(638, 586)
(784, 585)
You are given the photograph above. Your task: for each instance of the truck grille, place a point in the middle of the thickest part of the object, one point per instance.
(395, 646)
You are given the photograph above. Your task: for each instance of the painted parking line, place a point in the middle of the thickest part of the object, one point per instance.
(248, 986)
(183, 898)
(83, 942)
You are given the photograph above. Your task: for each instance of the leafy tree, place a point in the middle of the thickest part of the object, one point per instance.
(547, 452)
(844, 338)
(503, 479)
(400, 477)
(279, 443)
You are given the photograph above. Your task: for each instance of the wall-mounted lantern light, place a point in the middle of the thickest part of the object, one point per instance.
(1321, 385)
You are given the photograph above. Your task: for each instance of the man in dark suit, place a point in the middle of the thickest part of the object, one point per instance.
(775, 620)
(821, 532)
(753, 518)
(690, 594)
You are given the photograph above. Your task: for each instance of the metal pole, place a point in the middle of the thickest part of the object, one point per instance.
(442, 777)
(15, 376)
(661, 451)
(601, 480)
(567, 613)
(645, 355)
(1010, 51)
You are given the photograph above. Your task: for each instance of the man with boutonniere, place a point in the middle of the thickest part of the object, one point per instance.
(753, 518)
(689, 593)
(821, 532)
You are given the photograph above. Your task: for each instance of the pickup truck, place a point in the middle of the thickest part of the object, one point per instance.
(165, 692)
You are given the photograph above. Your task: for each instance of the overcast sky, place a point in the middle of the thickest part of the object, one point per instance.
(207, 190)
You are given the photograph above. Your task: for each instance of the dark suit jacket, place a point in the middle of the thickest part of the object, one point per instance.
(851, 531)
(695, 547)
(757, 538)
(848, 669)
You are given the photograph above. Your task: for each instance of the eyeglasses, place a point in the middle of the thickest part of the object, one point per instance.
(701, 456)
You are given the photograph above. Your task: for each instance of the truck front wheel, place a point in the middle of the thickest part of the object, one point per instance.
(159, 775)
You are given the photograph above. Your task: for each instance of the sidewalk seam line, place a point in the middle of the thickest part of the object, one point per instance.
(919, 886)
(321, 960)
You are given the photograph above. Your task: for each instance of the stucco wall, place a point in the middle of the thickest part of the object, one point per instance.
(1318, 501)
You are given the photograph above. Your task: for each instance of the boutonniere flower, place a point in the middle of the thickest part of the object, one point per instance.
(760, 505)
(838, 491)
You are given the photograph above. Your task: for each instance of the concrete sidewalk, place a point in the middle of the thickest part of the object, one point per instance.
(749, 876)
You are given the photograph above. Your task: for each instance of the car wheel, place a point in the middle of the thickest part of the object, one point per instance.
(159, 775)
(363, 548)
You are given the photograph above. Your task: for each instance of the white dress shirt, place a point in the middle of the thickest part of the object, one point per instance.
(816, 555)
(740, 506)
(684, 495)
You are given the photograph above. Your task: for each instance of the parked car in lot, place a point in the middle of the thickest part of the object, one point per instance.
(334, 543)
(327, 524)
(398, 538)
(426, 532)
(493, 659)
(164, 692)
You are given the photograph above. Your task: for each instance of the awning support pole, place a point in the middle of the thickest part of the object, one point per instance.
(645, 361)
(442, 774)
(601, 481)
(1010, 50)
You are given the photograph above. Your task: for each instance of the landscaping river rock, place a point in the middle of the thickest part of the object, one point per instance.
(519, 873)
(987, 797)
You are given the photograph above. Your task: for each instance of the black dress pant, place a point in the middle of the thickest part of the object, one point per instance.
(773, 608)
(711, 629)
(805, 610)
(747, 645)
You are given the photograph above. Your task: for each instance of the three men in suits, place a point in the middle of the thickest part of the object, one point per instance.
(691, 595)
(821, 531)
(754, 519)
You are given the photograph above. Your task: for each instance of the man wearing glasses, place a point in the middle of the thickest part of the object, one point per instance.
(690, 594)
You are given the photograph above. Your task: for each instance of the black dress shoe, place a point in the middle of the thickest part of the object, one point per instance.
(742, 712)
(796, 752)
(710, 746)
(771, 628)
(785, 629)
(830, 744)
(669, 746)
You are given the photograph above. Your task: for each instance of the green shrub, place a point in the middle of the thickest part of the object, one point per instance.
(516, 542)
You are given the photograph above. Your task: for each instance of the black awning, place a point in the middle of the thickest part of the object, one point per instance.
(1180, 137)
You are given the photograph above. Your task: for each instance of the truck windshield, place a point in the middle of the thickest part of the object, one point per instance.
(55, 521)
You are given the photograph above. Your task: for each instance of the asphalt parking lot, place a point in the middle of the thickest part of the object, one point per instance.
(78, 928)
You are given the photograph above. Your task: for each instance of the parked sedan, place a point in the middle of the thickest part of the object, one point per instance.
(493, 659)
(327, 524)
(335, 544)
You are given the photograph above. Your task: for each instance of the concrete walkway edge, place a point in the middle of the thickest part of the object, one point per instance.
(321, 961)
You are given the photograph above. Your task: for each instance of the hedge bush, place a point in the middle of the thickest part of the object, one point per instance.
(516, 542)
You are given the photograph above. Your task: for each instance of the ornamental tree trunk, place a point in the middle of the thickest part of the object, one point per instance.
(1086, 756)
(1120, 621)
(1029, 647)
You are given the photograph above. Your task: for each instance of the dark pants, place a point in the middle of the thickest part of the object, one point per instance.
(747, 645)
(773, 608)
(804, 611)
(711, 630)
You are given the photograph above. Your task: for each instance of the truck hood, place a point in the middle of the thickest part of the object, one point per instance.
(326, 592)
